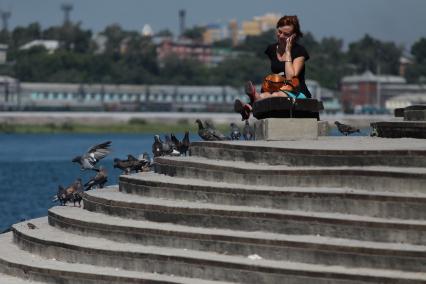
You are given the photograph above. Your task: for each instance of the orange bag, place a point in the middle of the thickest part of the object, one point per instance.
(274, 83)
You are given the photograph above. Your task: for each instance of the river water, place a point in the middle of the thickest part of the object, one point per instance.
(33, 165)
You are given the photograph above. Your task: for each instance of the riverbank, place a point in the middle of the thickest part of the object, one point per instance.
(134, 126)
(138, 122)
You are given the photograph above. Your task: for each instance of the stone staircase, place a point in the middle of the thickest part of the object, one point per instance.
(336, 210)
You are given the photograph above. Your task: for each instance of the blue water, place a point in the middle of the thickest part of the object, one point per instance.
(33, 165)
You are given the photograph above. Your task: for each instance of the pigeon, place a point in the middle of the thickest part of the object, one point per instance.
(157, 148)
(185, 144)
(169, 148)
(68, 194)
(77, 195)
(61, 196)
(248, 131)
(148, 167)
(203, 132)
(131, 164)
(218, 136)
(181, 146)
(235, 132)
(31, 226)
(92, 156)
(177, 144)
(209, 133)
(346, 129)
(169, 142)
(145, 156)
(100, 179)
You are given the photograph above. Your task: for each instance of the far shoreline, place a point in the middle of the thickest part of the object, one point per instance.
(141, 122)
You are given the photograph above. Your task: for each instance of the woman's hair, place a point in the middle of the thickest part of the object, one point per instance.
(290, 21)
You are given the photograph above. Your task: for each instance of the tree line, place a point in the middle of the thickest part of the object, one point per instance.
(78, 59)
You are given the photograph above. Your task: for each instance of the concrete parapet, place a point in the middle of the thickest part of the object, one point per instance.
(276, 129)
(415, 115)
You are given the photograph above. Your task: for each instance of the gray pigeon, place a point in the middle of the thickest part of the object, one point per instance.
(346, 129)
(181, 146)
(71, 193)
(204, 133)
(248, 131)
(31, 226)
(185, 144)
(235, 132)
(100, 179)
(218, 136)
(92, 156)
(157, 148)
(170, 147)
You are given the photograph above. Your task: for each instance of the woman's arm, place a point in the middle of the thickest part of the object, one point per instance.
(293, 67)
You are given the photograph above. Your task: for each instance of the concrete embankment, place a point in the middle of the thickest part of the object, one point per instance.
(104, 118)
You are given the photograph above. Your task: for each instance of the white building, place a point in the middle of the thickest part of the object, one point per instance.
(405, 100)
(50, 45)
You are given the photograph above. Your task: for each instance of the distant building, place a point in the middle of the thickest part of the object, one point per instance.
(52, 96)
(368, 89)
(100, 40)
(50, 45)
(184, 50)
(147, 30)
(404, 62)
(405, 100)
(260, 24)
(233, 29)
(213, 33)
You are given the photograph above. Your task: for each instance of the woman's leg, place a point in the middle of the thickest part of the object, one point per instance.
(274, 94)
(251, 92)
(243, 109)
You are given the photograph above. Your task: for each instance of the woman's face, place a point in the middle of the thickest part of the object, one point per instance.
(284, 32)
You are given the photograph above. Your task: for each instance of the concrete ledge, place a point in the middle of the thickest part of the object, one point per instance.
(278, 129)
(14, 261)
(258, 152)
(374, 178)
(311, 199)
(260, 271)
(415, 115)
(54, 243)
(258, 219)
(400, 129)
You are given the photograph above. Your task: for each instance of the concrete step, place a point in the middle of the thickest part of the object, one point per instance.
(53, 243)
(7, 279)
(326, 151)
(249, 218)
(374, 178)
(300, 248)
(17, 262)
(317, 199)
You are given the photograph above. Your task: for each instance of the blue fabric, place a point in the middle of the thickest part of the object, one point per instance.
(295, 95)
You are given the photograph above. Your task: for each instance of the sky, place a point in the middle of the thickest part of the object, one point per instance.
(400, 21)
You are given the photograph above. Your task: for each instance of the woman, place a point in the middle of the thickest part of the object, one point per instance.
(287, 58)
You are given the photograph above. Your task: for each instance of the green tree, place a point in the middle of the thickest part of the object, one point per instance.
(416, 72)
(195, 33)
(369, 53)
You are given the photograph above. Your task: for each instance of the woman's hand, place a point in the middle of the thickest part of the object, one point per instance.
(289, 43)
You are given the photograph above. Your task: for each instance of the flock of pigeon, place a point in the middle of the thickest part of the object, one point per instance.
(90, 159)
(170, 146)
(208, 132)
